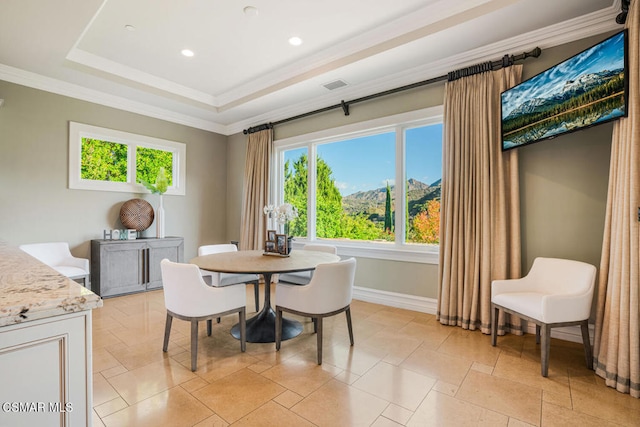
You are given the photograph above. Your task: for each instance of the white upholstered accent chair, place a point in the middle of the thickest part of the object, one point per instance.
(328, 293)
(555, 292)
(225, 279)
(58, 256)
(188, 297)
(303, 277)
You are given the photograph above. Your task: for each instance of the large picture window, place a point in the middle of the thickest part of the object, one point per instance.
(344, 186)
(110, 160)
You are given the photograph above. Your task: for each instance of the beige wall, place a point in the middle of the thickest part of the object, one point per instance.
(36, 204)
(563, 184)
(236, 153)
(563, 181)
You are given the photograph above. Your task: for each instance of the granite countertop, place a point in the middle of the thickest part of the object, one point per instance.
(31, 290)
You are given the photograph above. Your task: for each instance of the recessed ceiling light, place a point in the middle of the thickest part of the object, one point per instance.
(186, 52)
(250, 11)
(129, 27)
(295, 41)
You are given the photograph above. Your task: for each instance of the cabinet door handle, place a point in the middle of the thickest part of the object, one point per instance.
(143, 265)
(147, 273)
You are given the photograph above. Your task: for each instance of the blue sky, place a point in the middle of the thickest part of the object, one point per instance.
(367, 163)
(607, 55)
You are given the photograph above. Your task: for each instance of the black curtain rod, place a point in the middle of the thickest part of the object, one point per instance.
(453, 75)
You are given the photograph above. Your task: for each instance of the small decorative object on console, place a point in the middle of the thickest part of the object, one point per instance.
(160, 187)
(136, 214)
(120, 234)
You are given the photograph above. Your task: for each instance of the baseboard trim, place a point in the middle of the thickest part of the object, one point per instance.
(430, 306)
(394, 299)
(567, 333)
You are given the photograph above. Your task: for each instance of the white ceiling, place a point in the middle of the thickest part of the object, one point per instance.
(244, 72)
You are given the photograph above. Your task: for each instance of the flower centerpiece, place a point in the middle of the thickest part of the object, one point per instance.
(282, 214)
(160, 187)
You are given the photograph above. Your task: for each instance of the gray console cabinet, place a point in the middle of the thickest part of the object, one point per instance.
(125, 266)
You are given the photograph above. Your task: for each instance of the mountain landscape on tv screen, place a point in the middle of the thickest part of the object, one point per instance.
(582, 91)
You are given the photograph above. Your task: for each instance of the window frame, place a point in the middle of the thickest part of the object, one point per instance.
(77, 131)
(399, 250)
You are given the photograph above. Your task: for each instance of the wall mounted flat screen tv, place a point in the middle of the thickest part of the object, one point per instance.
(587, 89)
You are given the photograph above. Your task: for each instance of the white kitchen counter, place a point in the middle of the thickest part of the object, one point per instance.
(45, 344)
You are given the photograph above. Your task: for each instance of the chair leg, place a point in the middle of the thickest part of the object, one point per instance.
(217, 320)
(544, 349)
(537, 334)
(167, 331)
(319, 337)
(209, 327)
(584, 326)
(495, 311)
(315, 325)
(349, 325)
(256, 294)
(278, 327)
(243, 329)
(194, 344)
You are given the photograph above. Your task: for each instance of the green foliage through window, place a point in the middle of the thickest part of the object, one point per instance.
(112, 160)
(103, 160)
(364, 209)
(331, 220)
(295, 192)
(107, 161)
(149, 161)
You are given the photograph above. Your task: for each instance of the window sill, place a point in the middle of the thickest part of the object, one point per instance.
(422, 255)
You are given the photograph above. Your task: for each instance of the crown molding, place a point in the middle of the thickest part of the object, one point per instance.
(429, 19)
(48, 84)
(104, 65)
(585, 26)
(554, 35)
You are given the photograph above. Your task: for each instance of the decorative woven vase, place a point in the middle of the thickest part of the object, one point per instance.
(136, 214)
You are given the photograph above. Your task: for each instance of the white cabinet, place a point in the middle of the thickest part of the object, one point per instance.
(124, 266)
(45, 371)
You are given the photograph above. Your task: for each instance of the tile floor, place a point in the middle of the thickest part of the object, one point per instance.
(404, 370)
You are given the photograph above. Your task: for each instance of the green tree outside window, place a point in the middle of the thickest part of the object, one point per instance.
(331, 220)
(103, 160)
(149, 161)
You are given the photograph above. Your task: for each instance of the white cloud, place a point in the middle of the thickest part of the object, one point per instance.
(341, 185)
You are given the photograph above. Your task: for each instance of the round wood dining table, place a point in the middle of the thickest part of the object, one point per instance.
(261, 328)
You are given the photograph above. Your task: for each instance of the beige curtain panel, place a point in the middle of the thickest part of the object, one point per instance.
(617, 333)
(480, 213)
(256, 189)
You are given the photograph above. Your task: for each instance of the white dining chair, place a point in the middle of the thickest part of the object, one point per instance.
(303, 277)
(217, 279)
(555, 292)
(187, 297)
(328, 293)
(58, 256)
